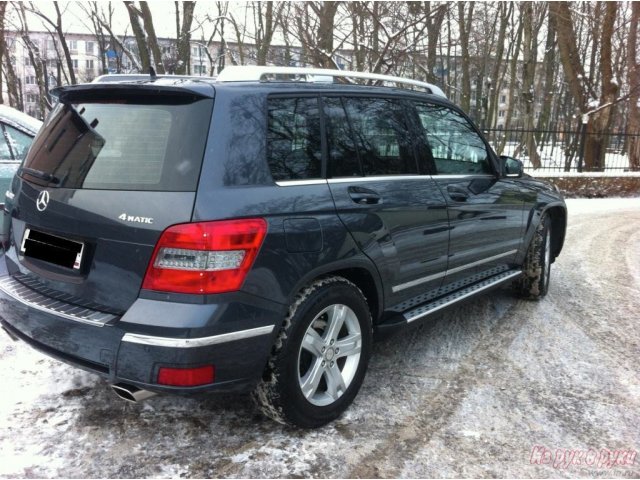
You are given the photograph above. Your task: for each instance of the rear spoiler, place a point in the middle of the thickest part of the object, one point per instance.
(171, 92)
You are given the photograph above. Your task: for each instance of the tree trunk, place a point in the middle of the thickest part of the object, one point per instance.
(434, 26)
(326, 14)
(152, 39)
(184, 41)
(264, 36)
(549, 91)
(633, 80)
(569, 54)
(465, 27)
(138, 32)
(505, 10)
(599, 122)
(530, 53)
(3, 9)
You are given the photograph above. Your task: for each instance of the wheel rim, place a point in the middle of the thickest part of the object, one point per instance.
(547, 258)
(329, 355)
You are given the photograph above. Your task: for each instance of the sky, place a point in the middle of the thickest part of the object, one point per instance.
(75, 20)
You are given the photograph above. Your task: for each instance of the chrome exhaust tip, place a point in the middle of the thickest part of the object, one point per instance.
(130, 393)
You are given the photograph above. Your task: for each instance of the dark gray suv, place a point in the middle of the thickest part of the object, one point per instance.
(255, 231)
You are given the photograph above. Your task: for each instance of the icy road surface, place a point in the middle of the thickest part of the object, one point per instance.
(498, 387)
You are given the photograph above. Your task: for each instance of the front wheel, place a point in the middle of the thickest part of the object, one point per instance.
(534, 283)
(321, 356)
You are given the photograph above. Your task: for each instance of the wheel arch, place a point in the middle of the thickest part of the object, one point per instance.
(558, 216)
(360, 272)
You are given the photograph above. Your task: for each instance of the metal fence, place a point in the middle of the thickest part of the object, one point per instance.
(563, 150)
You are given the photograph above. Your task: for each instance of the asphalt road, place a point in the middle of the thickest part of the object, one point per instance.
(498, 387)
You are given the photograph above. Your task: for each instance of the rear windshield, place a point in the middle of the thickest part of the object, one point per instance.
(121, 146)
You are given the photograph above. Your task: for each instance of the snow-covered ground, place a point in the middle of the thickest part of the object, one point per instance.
(482, 391)
(553, 157)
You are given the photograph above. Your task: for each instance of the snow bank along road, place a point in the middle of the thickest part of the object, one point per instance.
(497, 387)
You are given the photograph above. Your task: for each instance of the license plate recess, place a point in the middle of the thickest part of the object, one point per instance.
(52, 249)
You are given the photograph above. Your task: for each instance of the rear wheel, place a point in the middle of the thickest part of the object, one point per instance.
(534, 283)
(320, 358)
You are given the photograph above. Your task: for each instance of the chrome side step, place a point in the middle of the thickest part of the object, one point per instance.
(443, 302)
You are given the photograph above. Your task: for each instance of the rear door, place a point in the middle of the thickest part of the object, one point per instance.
(485, 211)
(112, 167)
(391, 206)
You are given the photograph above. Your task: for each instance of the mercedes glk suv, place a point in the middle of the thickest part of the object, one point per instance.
(254, 232)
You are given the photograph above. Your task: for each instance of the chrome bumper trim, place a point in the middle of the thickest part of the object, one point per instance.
(196, 342)
(52, 306)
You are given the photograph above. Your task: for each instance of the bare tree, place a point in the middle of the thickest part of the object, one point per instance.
(143, 49)
(3, 45)
(315, 30)
(465, 16)
(184, 37)
(152, 39)
(266, 22)
(533, 16)
(103, 39)
(633, 80)
(57, 27)
(36, 61)
(505, 11)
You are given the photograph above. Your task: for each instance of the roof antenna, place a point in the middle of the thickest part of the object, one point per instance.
(152, 73)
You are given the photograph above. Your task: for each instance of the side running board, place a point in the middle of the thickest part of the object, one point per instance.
(443, 302)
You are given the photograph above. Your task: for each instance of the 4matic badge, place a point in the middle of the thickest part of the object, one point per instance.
(131, 218)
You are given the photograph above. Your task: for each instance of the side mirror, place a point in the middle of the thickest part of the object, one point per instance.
(511, 167)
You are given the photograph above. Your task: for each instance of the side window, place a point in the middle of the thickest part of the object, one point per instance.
(20, 142)
(6, 153)
(343, 153)
(293, 138)
(455, 146)
(381, 135)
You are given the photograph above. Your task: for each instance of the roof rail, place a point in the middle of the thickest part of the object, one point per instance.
(256, 73)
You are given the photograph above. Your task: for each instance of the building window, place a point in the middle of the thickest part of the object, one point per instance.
(197, 51)
(501, 114)
(75, 63)
(199, 69)
(503, 99)
(89, 64)
(73, 45)
(32, 98)
(88, 47)
(30, 80)
(166, 50)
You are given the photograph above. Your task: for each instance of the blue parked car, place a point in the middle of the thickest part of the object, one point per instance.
(18, 130)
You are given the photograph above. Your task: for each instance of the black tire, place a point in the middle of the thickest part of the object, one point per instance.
(279, 395)
(534, 283)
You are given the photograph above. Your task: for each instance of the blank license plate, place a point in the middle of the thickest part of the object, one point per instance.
(51, 248)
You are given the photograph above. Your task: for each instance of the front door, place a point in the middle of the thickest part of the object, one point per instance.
(485, 211)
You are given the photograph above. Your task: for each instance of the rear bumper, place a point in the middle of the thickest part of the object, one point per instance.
(235, 336)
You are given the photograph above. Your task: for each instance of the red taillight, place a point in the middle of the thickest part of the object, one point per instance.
(205, 257)
(186, 377)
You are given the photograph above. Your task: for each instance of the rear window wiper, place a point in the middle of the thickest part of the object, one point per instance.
(40, 174)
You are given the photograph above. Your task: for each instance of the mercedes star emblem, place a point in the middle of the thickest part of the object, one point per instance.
(43, 201)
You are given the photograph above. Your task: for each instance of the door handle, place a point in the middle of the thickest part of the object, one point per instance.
(364, 196)
(457, 194)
